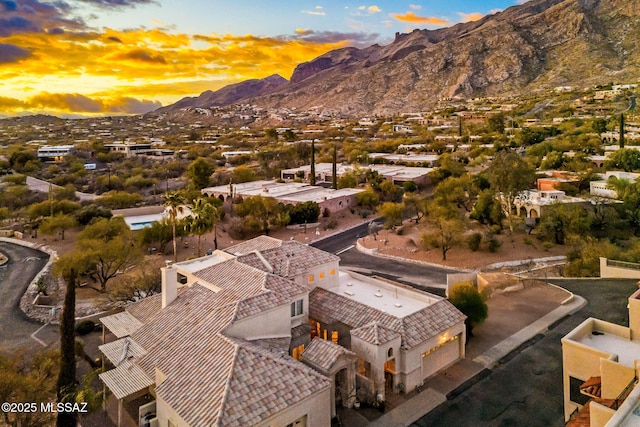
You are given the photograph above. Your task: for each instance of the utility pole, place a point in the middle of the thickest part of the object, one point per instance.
(312, 175)
(334, 171)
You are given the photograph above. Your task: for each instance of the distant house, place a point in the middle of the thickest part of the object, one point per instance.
(55, 153)
(531, 203)
(272, 333)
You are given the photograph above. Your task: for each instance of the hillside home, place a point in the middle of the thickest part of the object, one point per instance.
(531, 203)
(55, 153)
(272, 333)
(601, 367)
(288, 193)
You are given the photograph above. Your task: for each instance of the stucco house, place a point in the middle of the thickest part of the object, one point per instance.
(601, 368)
(272, 333)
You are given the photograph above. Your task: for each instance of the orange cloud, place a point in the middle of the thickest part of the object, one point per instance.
(468, 17)
(101, 67)
(416, 19)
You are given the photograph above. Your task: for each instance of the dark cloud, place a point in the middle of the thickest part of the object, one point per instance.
(142, 56)
(12, 53)
(56, 31)
(114, 39)
(67, 102)
(16, 24)
(133, 106)
(29, 16)
(358, 39)
(9, 5)
(116, 4)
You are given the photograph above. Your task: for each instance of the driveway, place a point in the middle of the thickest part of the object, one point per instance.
(24, 263)
(525, 388)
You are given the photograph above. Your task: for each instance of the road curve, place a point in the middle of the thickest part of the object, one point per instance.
(24, 263)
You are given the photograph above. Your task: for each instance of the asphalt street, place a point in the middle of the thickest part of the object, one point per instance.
(425, 277)
(24, 263)
(525, 388)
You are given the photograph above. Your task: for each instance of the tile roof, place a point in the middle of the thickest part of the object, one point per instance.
(328, 307)
(121, 324)
(241, 279)
(259, 243)
(126, 379)
(146, 308)
(324, 354)
(290, 259)
(375, 333)
(115, 351)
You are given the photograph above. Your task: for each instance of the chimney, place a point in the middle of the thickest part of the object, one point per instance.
(169, 284)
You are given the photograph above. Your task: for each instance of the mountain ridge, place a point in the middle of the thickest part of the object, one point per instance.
(535, 46)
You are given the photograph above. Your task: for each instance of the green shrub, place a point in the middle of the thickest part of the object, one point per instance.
(84, 327)
(473, 241)
(493, 244)
(546, 246)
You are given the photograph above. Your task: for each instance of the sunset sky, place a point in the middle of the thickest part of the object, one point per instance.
(88, 57)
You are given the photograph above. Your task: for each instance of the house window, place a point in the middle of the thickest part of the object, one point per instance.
(296, 352)
(574, 391)
(321, 275)
(364, 368)
(311, 278)
(390, 352)
(297, 308)
(334, 337)
(182, 279)
(332, 272)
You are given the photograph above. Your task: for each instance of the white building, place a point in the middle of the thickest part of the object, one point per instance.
(396, 174)
(55, 153)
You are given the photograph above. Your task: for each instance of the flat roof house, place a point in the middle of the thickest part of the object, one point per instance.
(601, 367)
(272, 333)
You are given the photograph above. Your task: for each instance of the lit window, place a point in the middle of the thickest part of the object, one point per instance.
(332, 272)
(321, 275)
(296, 352)
(311, 278)
(439, 346)
(297, 308)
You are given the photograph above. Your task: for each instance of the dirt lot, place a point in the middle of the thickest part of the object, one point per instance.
(516, 246)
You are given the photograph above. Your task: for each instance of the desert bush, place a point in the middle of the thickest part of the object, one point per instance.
(473, 241)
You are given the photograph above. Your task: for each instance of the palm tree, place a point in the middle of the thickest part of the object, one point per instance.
(173, 203)
(203, 218)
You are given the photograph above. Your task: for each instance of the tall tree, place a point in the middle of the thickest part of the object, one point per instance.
(66, 385)
(621, 130)
(334, 169)
(202, 219)
(58, 222)
(312, 173)
(199, 171)
(109, 248)
(174, 206)
(509, 175)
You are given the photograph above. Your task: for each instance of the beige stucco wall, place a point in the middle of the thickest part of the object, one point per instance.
(634, 315)
(327, 282)
(317, 408)
(413, 374)
(617, 272)
(615, 377)
(376, 355)
(270, 324)
(599, 414)
(164, 412)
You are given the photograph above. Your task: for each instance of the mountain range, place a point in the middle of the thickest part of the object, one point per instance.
(536, 46)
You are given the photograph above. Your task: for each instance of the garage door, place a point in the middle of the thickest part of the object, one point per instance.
(440, 356)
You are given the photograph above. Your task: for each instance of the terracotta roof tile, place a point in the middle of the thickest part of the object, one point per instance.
(324, 354)
(259, 243)
(328, 307)
(375, 333)
(290, 259)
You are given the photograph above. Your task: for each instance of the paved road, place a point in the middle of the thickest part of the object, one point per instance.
(425, 277)
(36, 184)
(15, 327)
(525, 389)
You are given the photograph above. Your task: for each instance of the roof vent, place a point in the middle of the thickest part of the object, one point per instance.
(349, 293)
(398, 305)
(378, 294)
(349, 284)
